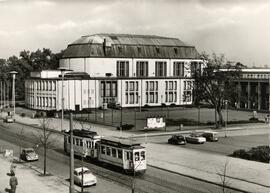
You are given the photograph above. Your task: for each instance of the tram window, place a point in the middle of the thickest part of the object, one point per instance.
(69, 139)
(73, 141)
(137, 156)
(102, 149)
(81, 142)
(108, 151)
(77, 141)
(127, 155)
(87, 144)
(119, 151)
(143, 155)
(113, 152)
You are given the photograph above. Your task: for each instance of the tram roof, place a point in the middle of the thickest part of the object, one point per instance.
(117, 142)
(83, 133)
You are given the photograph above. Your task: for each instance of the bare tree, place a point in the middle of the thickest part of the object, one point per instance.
(224, 179)
(44, 139)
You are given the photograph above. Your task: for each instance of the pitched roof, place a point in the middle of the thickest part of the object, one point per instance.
(126, 46)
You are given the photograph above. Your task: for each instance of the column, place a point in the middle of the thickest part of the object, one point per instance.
(248, 90)
(238, 105)
(259, 96)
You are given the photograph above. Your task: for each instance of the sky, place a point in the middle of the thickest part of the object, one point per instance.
(239, 29)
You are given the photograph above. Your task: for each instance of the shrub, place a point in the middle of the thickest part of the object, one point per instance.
(126, 127)
(254, 119)
(23, 114)
(173, 105)
(260, 153)
(177, 122)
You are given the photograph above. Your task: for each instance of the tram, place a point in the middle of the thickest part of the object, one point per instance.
(128, 155)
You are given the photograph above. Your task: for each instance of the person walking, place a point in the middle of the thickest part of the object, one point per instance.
(13, 182)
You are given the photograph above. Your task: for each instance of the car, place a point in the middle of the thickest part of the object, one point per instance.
(177, 140)
(195, 138)
(88, 177)
(210, 135)
(9, 119)
(29, 154)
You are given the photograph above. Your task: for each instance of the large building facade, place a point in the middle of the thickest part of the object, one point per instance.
(129, 70)
(253, 89)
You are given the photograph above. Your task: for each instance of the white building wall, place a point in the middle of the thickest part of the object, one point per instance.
(98, 67)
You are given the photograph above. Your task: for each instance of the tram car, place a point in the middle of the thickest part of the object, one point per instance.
(130, 156)
(84, 143)
(123, 153)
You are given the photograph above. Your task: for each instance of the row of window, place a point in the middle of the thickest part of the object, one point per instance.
(109, 151)
(49, 102)
(42, 85)
(79, 142)
(142, 68)
(108, 89)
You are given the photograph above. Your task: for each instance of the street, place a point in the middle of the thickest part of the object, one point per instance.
(108, 178)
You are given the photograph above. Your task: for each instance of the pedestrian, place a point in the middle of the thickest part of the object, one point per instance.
(12, 168)
(13, 182)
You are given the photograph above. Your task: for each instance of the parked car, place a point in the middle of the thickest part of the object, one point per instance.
(177, 140)
(195, 138)
(88, 177)
(9, 119)
(29, 154)
(210, 135)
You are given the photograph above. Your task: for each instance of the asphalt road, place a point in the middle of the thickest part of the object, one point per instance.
(224, 146)
(154, 181)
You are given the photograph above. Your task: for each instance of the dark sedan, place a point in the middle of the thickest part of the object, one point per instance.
(177, 140)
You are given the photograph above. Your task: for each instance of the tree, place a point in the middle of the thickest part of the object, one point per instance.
(43, 139)
(223, 175)
(216, 83)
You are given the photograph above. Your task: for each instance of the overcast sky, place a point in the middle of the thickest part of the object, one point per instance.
(238, 28)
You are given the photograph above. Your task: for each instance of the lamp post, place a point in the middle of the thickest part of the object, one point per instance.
(13, 73)
(63, 69)
(226, 122)
(71, 161)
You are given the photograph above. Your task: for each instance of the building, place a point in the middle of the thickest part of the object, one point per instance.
(129, 70)
(253, 89)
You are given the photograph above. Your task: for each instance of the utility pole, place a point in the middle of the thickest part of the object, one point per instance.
(71, 187)
(226, 103)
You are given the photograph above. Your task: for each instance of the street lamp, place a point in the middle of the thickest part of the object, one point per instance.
(13, 73)
(63, 69)
(226, 104)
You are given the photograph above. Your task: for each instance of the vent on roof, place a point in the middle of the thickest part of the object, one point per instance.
(119, 49)
(175, 51)
(139, 49)
(158, 50)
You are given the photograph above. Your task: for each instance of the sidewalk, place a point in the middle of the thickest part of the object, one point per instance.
(245, 175)
(29, 180)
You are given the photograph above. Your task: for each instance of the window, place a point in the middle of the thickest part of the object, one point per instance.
(108, 151)
(143, 155)
(102, 149)
(151, 91)
(119, 152)
(132, 92)
(139, 49)
(142, 68)
(171, 91)
(161, 69)
(137, 156)
(81, 142)
(178, 68)
(108, 88)
(158, 50)
(113, 152)
(122, 69)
